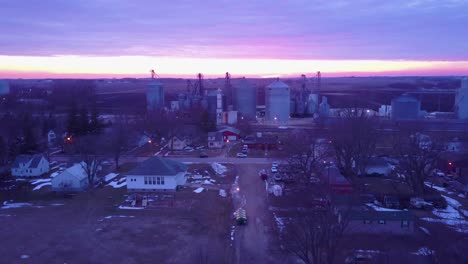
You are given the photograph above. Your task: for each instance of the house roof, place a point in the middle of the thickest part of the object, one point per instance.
(76, 171)
(158, 166)
(377, 162)
(35, 159)
(230, 129)
(216, 135)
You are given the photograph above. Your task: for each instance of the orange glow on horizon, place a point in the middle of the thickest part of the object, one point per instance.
(138, 66)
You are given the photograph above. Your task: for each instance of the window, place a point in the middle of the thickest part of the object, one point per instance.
(160, 180)
(146, 180)
(405, 223)
(382, 222)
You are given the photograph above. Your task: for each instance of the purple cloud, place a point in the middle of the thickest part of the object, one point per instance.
(300, 29)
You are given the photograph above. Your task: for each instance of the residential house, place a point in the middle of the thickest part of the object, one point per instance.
(30, 166)
(179, 142)
(379, 222)
(230, 134)
(215, 140)
(378, 167)
(454, 163)
(73, 179)
(455, 145)
(157, 174)
(51, 138)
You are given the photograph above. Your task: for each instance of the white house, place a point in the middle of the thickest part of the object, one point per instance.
(157, 174)
(215, 140)
(73, 179)
(51, 138)
(178, 143)
(30, 166)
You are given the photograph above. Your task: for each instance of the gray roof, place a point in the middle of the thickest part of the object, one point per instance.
(230, 129)
(158, 166)
(35, 159)
(277, 84)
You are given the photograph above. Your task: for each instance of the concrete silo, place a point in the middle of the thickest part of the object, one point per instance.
(461, 100)
(246, 99)
(154, 95)
(405, 107)
(277, 102)
(4, 87)
(312, 104)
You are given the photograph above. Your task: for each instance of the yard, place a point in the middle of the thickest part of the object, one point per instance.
(90, 228)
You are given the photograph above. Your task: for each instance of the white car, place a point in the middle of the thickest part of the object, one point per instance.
(274, 169)
(274, 164)
(241, 155)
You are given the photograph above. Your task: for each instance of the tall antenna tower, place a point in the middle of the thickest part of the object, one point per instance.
(199, 89)
(228, 89)
(319, 81)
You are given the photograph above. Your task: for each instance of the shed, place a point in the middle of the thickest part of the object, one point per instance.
(73, 179)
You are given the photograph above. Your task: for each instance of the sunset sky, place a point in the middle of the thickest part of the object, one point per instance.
(112, 38)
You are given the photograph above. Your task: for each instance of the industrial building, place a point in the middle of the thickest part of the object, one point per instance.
(461, 100)
(405, 107)
(4, 88)
(277, 101)
(246, 99)
(154, 94)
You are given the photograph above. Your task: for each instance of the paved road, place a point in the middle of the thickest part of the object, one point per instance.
(252, 240)
(221, 159)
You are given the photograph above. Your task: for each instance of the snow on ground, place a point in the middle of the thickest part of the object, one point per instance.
(233, 231)
(461, 195)
(207, 182)
(110, 176)
(7, 205)
(24, 256)
(450, 216)
(6, 215)
(54, 174)
(425, 230)
(219, 168)
(119, 216)
(279, 222)
(222, 193)
(116, 184)
(382, 209)
(440, 189)
(424, 251)
(39, 181)
(130, 208)
(38, 187)
(198, 190)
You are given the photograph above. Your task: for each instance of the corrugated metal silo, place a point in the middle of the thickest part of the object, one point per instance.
(4, 87)
(405, 107)
(277, 102)
(246, 99)
(154, 95)
(461, 100)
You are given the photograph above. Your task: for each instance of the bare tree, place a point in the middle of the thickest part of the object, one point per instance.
(354, 139)
(90, 149)
(315, 238)
(119, 139)
(306, 153)
(417, 155)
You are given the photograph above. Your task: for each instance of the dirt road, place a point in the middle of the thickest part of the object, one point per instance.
(252, 240)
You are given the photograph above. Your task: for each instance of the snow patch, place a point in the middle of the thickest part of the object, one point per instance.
(53, 175)
(198, 190)
(222, 193)
(425, 230)
(40, 181)
(116, 184)
(279, 222)
(110, 176)
(38, 187)
(219, 168)
(119, 216)
(381, 209)
(7, 205)
(424, 251)
(130, 208)
(24, 256)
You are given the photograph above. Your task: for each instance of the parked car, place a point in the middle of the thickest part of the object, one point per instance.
(241, 155)
(263, 175)
(275, 164)
(274, 169)
(245, 149)
(419, 203)
(188, 148)
(203, 155)
(391, 201)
